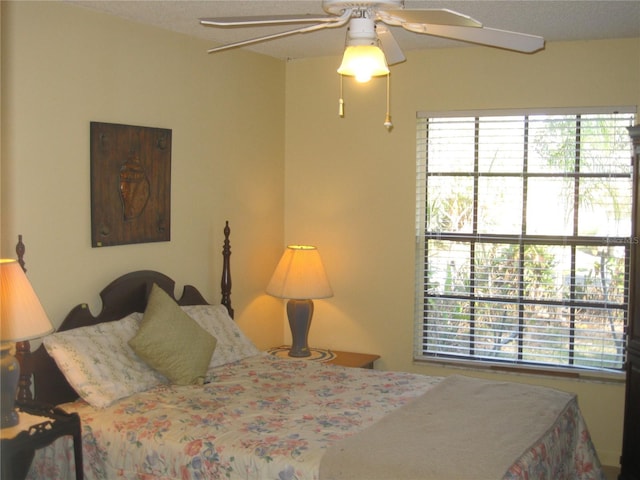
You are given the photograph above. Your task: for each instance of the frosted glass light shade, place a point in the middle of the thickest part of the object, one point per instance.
(21, 314)
(300, 275)
(363, 62)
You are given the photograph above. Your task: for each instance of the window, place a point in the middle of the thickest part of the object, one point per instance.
(523, 234)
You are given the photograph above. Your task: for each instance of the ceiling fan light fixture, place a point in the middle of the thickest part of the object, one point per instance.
(363, 62)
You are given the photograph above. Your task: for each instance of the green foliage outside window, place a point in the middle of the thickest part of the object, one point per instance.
(523, 237)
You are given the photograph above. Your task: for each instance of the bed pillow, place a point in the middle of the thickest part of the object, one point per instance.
(172, 342)
(98, 362)
(233, 345)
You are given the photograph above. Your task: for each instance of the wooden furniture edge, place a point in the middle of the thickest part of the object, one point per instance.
(124, 295)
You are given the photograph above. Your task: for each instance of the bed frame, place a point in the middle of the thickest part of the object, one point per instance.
(125, 295)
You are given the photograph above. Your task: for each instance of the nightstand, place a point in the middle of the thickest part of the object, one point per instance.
(39, 426)
(356, 360)
(331, 357)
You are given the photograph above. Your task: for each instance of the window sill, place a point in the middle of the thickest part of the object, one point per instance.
(593, 376)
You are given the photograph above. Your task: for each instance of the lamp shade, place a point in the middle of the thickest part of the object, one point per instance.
(300, 275)
(21, 314)
(363, 62)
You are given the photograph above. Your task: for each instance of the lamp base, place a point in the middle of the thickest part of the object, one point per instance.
(299, 313)
(9, 375)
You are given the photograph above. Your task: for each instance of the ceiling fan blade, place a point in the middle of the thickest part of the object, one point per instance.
(267, 20)
(264, 38)
(520, 42)
(440, 16)
(392, 51)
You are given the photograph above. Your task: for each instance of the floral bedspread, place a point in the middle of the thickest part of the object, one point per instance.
(564, 453)
(259, 418)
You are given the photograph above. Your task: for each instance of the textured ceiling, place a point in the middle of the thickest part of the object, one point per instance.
(553, 20)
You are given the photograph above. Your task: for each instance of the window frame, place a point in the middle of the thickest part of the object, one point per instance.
(421, 236)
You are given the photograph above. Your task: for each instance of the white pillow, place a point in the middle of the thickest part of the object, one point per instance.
(233, 345)
(98, 362)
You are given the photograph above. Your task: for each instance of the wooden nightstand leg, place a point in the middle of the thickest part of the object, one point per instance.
(16, 467)
(77, 452)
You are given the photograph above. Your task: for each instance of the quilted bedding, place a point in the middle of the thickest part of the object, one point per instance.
(266, 418)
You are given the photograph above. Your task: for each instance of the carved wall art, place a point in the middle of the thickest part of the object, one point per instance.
(130, 184)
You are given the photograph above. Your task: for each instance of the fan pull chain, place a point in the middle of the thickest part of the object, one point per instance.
(341, 101)
(387, 117)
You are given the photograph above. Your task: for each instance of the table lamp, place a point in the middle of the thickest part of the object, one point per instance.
(21, 318)
(300, 277)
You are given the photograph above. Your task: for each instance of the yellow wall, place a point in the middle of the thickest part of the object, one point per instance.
(64, 66)
(258, 142)
(350, 185)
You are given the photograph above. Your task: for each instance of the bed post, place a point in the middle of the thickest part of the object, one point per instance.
(23, 349)
(225, 283)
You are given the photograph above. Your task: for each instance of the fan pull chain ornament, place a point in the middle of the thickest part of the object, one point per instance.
(387, 118)
(341, 101)
(368, 28)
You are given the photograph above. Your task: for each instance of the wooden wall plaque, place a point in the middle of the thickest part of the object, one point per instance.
(130, 184)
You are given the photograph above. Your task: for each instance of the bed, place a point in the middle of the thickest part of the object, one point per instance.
(235, 412)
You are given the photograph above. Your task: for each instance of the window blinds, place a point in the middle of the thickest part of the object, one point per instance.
(523, 234)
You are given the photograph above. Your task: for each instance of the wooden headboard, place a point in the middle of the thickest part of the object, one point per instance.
(125, 295)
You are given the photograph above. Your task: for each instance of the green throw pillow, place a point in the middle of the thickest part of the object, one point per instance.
(171, 342)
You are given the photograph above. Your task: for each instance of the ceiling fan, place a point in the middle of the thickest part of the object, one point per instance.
(370, 45)
(368, 21)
